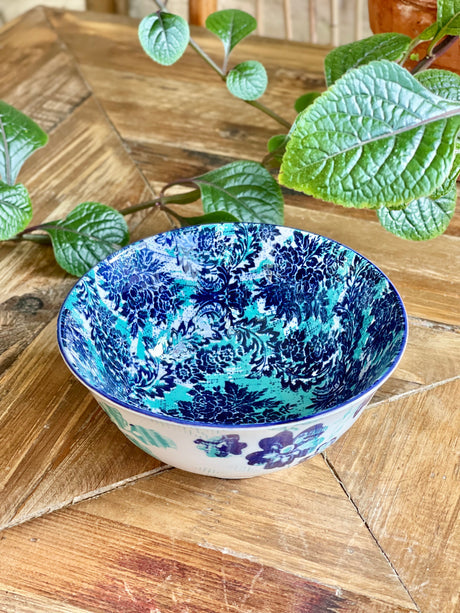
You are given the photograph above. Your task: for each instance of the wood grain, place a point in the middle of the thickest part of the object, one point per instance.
(55, 443)
(407, 489)
(297, 520)
(38, 74)
(95, 564)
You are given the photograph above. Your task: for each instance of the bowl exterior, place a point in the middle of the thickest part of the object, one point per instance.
(233, 452)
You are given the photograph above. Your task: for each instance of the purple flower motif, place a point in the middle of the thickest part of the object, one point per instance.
(282, 449)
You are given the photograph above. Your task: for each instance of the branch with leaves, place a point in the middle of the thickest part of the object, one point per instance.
(380, 137)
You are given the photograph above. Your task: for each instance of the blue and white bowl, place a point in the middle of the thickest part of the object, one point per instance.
(233, 350)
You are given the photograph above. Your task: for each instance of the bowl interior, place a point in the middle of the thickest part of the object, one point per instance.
(233, 324)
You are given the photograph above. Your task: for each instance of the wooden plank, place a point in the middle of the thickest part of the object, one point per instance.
(76, 29)
(18, 601)
(120, 7)
(118, 566)
(38, 75)
(297, 520)
(407, 489)
(83, 161)
(58, 448)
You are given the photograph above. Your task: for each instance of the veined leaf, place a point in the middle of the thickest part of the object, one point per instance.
(88, 234)
(447, 11)
(376, 137)
(244, 189)
(448, 21)
(164, 37)
(231, 26)
(422, 219)
(446, 85)
(427, 34)
(20, 136)
(451, 180)
(247, 80)
(15, 210)
(443, 83)
(305, 100)
(387, 46)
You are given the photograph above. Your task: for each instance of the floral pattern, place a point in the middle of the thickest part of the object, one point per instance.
(221, 446)
(284, 448)
(145, 438)
(234, 324)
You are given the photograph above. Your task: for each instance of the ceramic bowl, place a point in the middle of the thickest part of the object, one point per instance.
(233, 350)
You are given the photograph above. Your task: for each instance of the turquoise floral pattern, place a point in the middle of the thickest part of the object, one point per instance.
(144, 438)
(233, 324)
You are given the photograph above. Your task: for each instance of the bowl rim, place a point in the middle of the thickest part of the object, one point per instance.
(185, 422)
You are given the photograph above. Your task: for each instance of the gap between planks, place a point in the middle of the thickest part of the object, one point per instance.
(423, 388)
(368, 528)
(88, 496)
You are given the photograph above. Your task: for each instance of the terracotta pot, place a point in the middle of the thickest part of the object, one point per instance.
(410, 17)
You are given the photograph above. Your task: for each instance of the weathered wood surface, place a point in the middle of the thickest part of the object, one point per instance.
(409, 496)
(370, 527)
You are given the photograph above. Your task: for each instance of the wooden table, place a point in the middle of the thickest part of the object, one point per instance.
(90, 522)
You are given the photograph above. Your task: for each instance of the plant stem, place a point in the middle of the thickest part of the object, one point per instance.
(223, 75)
(36, 238)
(440, 48)
(162, 200)
(206, 58)
(269, 112)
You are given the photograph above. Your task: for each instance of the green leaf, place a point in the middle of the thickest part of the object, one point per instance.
(428, 33)
(387, 46)
(276, 147)
(443, 83)
(448, 21)
(277, 142)
(376, 137)
(88, 234)
(447, 11)
(303, 101)
(446, 85)
(231, 26)
(216, 217)
(451, 180)
(19, 138)
(164, 37)
(15, 210)
(247, 80)
(245, 190)
(422, 219)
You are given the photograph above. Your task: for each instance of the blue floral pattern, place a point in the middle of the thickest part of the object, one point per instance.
(285, 448)
(221, 446)
(234, 324)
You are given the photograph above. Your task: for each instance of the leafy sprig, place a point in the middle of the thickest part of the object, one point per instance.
(379, 137)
